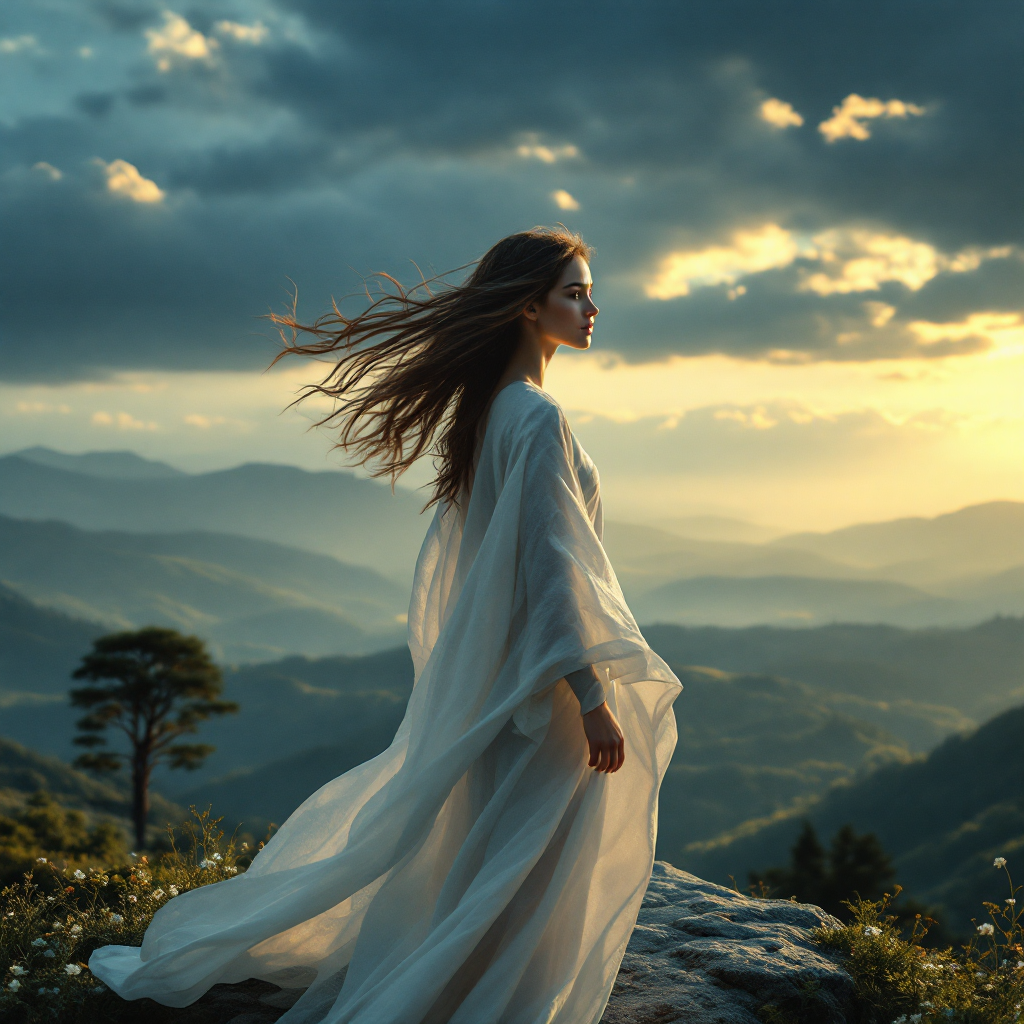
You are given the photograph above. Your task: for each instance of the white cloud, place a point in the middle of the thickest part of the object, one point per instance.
(780, 114)
(862, 261)
(532, 149)
(751, 252)
(18, 43)
(123, 421)
(563, 200)
(48, 169)
(196, 419)
(251, 34)
(37, 408)
(847, 120)
(757, 418)
(177, 41)
(124, 179)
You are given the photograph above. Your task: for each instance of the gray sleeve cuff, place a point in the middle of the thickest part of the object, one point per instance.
(591, 691)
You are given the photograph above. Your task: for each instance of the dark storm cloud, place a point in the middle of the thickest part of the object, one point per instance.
(387, 131)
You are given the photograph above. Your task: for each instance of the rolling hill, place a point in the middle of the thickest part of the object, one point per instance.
(251, 600)
(943, 818)
(332, 512)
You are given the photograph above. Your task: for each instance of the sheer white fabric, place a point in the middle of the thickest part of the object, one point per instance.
(477, 870)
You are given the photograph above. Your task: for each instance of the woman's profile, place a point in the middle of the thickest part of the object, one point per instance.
(489, 865)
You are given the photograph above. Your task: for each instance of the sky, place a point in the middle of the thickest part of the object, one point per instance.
(807, 219)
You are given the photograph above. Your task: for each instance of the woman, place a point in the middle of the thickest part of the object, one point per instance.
(489, 865)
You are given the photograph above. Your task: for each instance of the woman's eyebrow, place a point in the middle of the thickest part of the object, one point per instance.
(579, 284)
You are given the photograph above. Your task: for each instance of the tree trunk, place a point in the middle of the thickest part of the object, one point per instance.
(140, 796)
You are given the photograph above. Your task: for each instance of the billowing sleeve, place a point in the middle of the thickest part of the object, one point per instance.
(577, 623)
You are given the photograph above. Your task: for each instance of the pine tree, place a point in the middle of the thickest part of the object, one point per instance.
(156, 686)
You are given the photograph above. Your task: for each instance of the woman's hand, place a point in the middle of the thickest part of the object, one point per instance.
(607, 744)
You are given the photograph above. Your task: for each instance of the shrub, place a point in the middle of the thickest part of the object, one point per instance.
(900, 981)
(50, 925)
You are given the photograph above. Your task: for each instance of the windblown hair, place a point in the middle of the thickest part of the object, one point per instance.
(417, 369)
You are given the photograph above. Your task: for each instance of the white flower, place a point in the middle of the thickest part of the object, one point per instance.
(39, 942)
(133, 854)
(58, 925)
(116, 918)
(40, 860)
(872, 931)
(217, 856)
(133, 899)
(979, 974)
(900, 1020)
(49, 953)
(14, 985)
(204, 863)
(72, 969)
(915, 1018)
(50, 899)
(1012, 903)
(231, 871)
(17, 970)
(999, 862)
(79, 874)
(245, 846)
(157, 894)
(173, 890)
(76, 929)
(986, 929)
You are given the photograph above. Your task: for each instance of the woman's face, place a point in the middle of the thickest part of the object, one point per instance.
(566, 316)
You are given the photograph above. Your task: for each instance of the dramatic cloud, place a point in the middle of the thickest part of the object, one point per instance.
(277, 139)
(847, 120)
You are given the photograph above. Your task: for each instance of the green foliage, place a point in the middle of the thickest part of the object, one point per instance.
(855, 866)
(900, 981)
(52, 921)
(45, 829)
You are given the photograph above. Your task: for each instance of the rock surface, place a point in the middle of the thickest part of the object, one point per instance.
(705, 954)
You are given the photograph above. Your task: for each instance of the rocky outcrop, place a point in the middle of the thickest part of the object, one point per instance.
(705, 954)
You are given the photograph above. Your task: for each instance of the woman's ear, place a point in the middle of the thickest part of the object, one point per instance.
(531, 311)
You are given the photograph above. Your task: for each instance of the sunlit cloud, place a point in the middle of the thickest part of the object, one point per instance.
(757, 418)
(24, 408)
(848, 119)
(751, 252)
(18, 44)
(48, 170)
(780, 114)
(1002, 332)
(251, 34)
(122, 421)
(563, 200)
(196, 419)
(534, 150)
(862, 261)
(124, 179)
(177, 41)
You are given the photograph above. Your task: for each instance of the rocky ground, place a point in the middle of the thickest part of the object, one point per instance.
(700, 953)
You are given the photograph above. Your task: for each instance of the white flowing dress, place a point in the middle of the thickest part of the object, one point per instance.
(477, 871)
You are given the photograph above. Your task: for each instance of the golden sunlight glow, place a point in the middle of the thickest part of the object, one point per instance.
(847, 120)
(251, 34)
(563, 200)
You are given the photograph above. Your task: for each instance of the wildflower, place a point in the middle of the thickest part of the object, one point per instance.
(1012, 903)
(57, 925)
(49, 953)
(133, 899)
(17, 969)
(173, 890)
(872, 931)
(999, 862)
(245, 846)
(133, 854)
(72, 969)
(157, 894)
(979, 974)
(217, 856)
(40, 860)
(986, 929)
(50, 899)
(204, 863)
(14, 985)
(79, 874)
(116, 918)
(76, 929)
(39, 942)
(231, 871)
(902, 1019)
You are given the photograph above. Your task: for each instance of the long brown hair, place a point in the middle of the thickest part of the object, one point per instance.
(417, 369)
